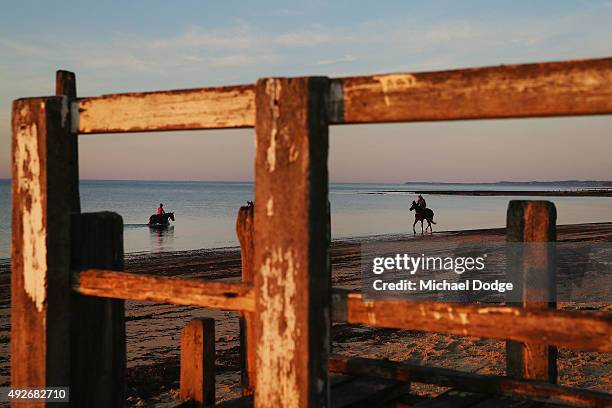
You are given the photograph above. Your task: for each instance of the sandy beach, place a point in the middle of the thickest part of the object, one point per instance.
(153, 330)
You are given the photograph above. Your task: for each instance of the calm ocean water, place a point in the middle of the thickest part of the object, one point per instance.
(206, 211)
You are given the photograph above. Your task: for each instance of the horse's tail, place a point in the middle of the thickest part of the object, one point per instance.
(430, 219)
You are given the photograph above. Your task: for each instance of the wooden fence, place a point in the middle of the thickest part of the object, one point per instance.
(68, 326)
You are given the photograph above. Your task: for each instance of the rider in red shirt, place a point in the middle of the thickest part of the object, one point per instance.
(160, 210)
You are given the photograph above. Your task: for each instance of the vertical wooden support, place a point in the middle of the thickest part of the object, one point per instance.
(532, 223)
(198, 362)
(40, 284)
(65, 84)
(244, 231)
(97, 325)
(292, 323)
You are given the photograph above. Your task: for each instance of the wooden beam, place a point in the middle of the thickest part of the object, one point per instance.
(507, 91)
(65, 84)
(40, 257)
(198, 363)
(530, 232)
(292, 273)
(178, 291)
(567, 88)
(485, 384)
(245, 231)
(98, 348)
(202, 108)
(580, 330)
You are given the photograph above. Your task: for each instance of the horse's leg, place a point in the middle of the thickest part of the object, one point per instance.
(429, 226)
(414, 229)
(422, 226)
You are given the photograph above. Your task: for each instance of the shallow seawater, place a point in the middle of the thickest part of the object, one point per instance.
(206, 211)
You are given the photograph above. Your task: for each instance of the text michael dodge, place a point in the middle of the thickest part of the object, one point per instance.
(412, 265)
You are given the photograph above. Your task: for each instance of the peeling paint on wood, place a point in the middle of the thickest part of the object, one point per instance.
(510, 91)
(291, 252)
(178, 291)
(197, 378)
(534, 223)
(391, 83)
(245, 231)
(279, 333)
(40, 291)
(34, 246)
(273, 89)
(578, 330)
(204, 108)
(75, 123)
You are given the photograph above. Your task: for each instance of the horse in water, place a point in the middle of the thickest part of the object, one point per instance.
(420, 215)
(161, 219)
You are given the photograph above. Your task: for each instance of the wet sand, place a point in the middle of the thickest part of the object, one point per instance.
(153, 330)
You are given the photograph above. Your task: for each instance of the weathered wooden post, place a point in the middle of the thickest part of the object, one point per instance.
(98, 348)
(244, 231)
(530, 232)
(65, 84)
(198, 362)
(40, 284)
(291, 267)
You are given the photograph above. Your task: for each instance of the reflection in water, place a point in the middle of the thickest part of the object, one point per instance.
(162, 238)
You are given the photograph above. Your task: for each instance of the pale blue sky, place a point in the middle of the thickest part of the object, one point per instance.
(151, 45)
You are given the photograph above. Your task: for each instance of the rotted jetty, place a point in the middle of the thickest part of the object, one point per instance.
(68, 288)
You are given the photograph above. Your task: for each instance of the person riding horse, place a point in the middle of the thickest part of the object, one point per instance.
(161, 218)
(422, 213)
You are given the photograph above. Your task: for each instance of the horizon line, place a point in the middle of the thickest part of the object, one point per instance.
(351, 182)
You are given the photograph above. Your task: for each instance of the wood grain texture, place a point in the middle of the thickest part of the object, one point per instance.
(197, 378)
(98, 344)
(580, 330)
(65, 85)
(485, 384)
(567, 88)
(510, 91)
(178, 291)
(245, 231)
(532, 223)
(203, 108)
(292, 273)
(40, 282)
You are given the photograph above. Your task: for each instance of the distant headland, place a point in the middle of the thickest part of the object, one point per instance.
(560, 183)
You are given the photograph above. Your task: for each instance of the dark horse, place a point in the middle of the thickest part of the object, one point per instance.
(160, 219)
(420, 215)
